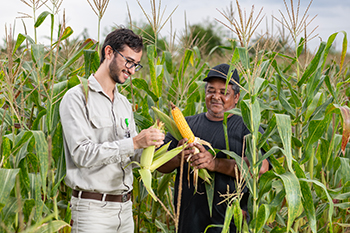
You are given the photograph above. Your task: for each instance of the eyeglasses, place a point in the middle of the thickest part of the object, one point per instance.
(130, 64)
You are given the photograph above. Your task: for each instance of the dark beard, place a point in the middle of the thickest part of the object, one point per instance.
(113, 71)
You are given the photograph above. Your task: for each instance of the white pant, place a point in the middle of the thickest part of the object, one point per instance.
(101, 216)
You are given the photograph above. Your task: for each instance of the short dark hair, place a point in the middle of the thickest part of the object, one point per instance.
(120, 38)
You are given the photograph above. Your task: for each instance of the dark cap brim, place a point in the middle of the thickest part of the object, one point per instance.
(221, 71)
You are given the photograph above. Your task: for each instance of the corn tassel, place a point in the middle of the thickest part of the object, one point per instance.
(186, 132)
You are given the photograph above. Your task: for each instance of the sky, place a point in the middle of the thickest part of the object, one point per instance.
(331, 16)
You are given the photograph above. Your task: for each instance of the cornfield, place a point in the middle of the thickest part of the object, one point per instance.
(301, 99)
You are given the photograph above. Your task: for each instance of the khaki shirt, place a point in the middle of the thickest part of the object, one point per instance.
(98, 144)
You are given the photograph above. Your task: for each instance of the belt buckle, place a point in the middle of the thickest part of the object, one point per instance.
(124, 197)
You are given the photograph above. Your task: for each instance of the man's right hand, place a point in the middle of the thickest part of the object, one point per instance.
(148, 137)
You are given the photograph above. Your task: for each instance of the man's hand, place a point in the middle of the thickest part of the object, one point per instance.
(189, 149)
(176, 161)
(203, 159)
(148, 137)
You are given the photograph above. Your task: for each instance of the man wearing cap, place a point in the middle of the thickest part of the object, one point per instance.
(194, 211)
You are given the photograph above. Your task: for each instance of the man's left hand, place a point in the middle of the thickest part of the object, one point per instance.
(203, 159)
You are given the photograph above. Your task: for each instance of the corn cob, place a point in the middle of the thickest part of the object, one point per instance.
(182, 124)
(151, 160)
(186, 132)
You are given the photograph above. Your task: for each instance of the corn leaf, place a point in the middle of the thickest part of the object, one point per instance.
(168, 123)
(161, 226)
(263, 215)
(9, 211)
(142, 84)
(300, 46)
(19, 41)
(228, 217)
(41, 149)
(281, 77)
(146, 178)
(268, 132)
(265, 183)
(21, 139)
(53, 226)
(163, 185)
(41, 18)
(168, 61)
(38, 54)
(330, 201)
(35, 125)
(161, 150)
(344, 170)
(165, 157)
(243, 170)
(160, 75)
(315, 63)
(293, 195)
(345, 113)
(67, 32)
(57, 143)
(147, 157)
(91, 62)
(209, 189)
(152, 68)
(85, 87)
(86, 45)
(185, 62)
(316, 130)
(243, 55)
(285, 131)
(204, 175)
(307, 199)
(344, 49)
(7, 182)
(237, 215)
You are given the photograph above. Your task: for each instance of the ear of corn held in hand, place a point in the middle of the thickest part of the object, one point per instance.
(186, 132)
(151, 160)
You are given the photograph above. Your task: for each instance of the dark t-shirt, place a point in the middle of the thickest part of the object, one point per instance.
(194, 211)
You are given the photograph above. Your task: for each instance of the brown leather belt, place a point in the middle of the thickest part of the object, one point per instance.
(99, 196)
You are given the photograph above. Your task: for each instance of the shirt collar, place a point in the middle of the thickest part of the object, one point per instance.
(94, 85)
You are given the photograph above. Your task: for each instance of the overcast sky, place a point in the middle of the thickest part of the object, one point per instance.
(332, 16)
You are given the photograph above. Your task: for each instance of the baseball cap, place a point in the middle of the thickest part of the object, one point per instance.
(221, 71)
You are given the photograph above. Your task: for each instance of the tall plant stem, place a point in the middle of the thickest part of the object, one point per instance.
(255, 182)
(34, 18)
(254, 155)
(98, 35)
(297, 109)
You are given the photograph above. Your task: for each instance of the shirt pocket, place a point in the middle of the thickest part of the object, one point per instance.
(99, 122)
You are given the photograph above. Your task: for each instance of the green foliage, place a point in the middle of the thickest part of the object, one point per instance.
(205, 37)
(301, 104)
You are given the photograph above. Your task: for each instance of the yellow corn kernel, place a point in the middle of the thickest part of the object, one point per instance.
(181, 124)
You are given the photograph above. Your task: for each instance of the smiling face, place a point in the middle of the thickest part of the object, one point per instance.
(217, 102)
(117, 69)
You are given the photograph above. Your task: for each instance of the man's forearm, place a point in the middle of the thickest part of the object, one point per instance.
(226, 166)
(171, 165)
(229, 166)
